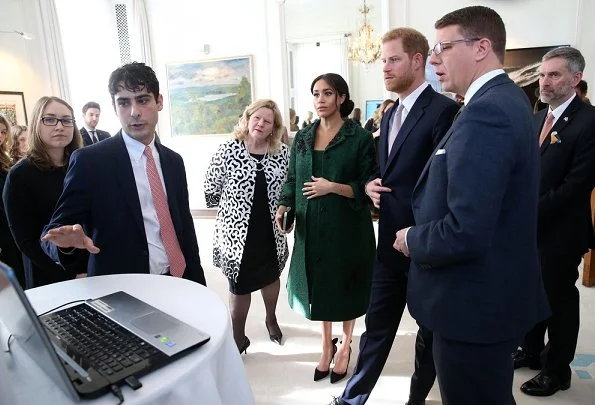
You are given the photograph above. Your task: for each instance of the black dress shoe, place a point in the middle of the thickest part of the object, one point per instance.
(543, 385)
(336, 377)
(522, 359)
(337, 401)
(244, 347)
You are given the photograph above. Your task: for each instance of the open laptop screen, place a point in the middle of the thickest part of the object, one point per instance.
(18, 316)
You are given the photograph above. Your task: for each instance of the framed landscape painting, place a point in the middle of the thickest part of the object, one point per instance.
(12, 106)
(207, 97)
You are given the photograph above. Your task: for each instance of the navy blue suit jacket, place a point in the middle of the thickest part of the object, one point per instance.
(101, 136)
(426, 123)
(475, 274)
(100, 194)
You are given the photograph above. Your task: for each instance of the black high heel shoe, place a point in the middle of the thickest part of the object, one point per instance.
(245, 345)
(275, 337)
(336, 377)
(319, 375)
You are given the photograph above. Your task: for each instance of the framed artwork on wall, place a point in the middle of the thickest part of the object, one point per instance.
(12, 106)
(206, 97)
(522, 66)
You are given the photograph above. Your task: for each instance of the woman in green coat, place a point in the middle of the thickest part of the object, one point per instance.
(331, 266)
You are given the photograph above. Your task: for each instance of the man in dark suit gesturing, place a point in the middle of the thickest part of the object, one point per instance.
(135, 209)
(89, 132)
(566, 132)
(408, 134)
(474, 279)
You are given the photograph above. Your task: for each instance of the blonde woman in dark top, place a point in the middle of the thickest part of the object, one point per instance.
(34, 185)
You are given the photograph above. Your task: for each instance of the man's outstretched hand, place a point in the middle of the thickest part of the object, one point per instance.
(70, 236)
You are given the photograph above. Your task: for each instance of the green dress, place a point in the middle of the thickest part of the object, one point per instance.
(331, 266)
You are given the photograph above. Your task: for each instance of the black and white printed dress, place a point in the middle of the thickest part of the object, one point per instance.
(247, 245)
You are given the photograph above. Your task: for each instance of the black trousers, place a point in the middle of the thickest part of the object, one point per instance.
(560, 273)
(387, 303)
(474, 374)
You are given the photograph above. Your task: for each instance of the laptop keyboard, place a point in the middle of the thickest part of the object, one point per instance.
(107, 346)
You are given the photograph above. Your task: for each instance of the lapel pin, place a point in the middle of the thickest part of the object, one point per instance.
(565, 119)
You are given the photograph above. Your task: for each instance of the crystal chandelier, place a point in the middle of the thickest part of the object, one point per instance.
(366, 47)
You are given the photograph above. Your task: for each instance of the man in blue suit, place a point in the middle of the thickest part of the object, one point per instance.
(475, 280)
(125, 199)
(408, 134)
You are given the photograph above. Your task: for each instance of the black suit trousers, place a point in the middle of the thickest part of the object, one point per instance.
(474, 374)
(387, 304)
(560, 272)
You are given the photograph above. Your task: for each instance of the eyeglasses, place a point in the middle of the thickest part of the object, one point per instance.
(53, 121)
(441, 46)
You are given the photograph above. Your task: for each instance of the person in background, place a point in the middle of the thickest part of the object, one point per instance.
(293, 121)
(566, 133)
(33, 187)
(331, 265)
(373, 124)
(9, 253)
(474, 279)
(581, 90)
(89, 132)
(356, 116)
(19, 146)
(244, 180)
(285, 136)
(146, 225)
(308, 119)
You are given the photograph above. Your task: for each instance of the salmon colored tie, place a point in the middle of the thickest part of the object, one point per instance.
(547, 127)
(177, 263)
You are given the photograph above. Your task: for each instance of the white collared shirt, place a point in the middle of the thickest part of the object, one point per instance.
(409, 101)
(158, 261)
(480, 81)
(561, 108)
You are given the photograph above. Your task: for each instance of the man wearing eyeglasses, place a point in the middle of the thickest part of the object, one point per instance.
(89, 131)
(133, 216)
(475, 280)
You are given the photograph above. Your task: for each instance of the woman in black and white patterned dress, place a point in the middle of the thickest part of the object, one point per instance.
(244, 180)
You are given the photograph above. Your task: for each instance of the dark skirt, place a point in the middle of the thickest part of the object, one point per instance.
(259, 266)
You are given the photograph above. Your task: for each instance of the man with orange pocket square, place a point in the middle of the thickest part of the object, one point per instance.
(564, 228)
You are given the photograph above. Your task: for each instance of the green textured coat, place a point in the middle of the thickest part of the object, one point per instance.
(342, 254)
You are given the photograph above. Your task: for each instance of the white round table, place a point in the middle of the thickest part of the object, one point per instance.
(213, 374)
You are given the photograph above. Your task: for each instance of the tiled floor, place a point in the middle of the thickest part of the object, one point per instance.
(283, 374)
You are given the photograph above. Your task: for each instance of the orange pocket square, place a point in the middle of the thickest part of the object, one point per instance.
(555, 138)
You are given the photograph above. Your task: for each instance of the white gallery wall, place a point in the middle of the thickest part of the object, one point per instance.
(180, 28)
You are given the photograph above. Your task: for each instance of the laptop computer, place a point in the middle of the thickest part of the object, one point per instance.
(86, 348)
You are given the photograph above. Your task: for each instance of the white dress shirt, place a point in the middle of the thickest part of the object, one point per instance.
(561, 108)
(406, 105)
(480, 81)
(158, 261)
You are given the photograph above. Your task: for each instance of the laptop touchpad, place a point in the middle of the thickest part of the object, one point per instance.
(153, 322)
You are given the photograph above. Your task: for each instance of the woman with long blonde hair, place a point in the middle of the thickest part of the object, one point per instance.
(34, 185)
(244, 180)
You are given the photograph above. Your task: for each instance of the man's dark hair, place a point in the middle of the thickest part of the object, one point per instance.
(133, 76)
(583, 87)
(91, 104)
(478, 22)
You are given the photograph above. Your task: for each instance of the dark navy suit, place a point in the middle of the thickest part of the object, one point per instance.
(100, 194)
(475, 280)
(565, 230)
(426, 123)
(101, 136)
